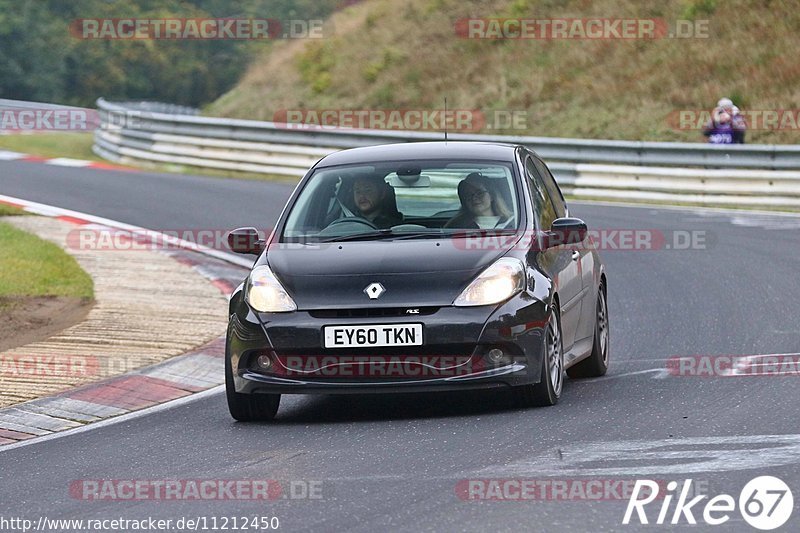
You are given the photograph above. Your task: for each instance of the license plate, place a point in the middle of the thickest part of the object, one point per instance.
(374, 335)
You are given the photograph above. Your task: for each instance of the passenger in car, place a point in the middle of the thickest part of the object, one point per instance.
(375, 201)
(482, 206)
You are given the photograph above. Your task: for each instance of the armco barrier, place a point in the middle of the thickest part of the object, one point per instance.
(754, 175)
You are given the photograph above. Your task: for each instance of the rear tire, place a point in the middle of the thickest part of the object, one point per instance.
(548, 390)
(596, 364)
(249, 407)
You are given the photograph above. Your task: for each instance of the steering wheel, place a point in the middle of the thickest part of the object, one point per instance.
(330, 229)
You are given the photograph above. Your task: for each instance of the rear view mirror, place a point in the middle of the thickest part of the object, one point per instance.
(566, 231)
(407, 181)
(245, 241)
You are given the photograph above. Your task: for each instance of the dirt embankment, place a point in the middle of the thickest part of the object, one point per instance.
(30, 319)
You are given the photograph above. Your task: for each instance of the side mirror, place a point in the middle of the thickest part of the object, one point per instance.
(245, 241)
(565, 231)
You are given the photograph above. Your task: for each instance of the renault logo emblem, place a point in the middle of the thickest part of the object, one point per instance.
(374, 290)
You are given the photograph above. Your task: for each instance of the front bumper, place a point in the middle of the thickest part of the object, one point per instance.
(456, 339)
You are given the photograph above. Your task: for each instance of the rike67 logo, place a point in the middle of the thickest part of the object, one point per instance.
(765, 503)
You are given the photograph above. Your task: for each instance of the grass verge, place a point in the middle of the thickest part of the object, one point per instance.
(30, 266)
(390, 55)
(10, 211)
(73, 145)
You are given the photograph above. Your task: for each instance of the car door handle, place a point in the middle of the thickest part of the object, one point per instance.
(575, 255)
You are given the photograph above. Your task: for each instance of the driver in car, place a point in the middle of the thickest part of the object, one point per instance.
(375, 201)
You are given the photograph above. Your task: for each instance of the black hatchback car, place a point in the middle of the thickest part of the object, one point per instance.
(418, 267)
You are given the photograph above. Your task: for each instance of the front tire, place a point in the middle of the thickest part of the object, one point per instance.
(548, 390)
(249, 407)
(596, 364)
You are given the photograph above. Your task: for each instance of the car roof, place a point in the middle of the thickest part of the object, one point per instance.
(415, 151)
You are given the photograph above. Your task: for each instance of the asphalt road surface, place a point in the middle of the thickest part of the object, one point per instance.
(400, 462)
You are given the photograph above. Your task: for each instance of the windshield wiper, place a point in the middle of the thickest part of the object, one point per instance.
(466, 232)
(435, 234)
(387, 234)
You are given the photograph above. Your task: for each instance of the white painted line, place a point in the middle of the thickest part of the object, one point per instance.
(67, 162)
(49, 210)
(6, 155)
(117, 419)
(660, 374)
(672, 456)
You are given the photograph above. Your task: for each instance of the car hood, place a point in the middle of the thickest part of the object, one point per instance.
(413, 273)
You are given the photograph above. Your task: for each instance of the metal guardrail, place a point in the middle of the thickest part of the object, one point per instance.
(159, 107)
(586, 168)
(23, 104)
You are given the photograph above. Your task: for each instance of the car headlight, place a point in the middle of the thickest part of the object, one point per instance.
(265, 293)
(499, 282)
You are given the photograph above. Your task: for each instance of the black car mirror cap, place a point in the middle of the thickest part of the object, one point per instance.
(565, 231)
(246, 241)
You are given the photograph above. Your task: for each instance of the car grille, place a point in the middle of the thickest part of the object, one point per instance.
(369, 312)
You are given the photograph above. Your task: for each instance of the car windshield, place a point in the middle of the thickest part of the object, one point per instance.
(404, 200)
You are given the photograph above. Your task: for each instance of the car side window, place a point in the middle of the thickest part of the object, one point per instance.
(552, 188)
(545, 210)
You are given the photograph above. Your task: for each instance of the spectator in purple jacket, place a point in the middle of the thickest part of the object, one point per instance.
(727, 125)
(720, 129)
